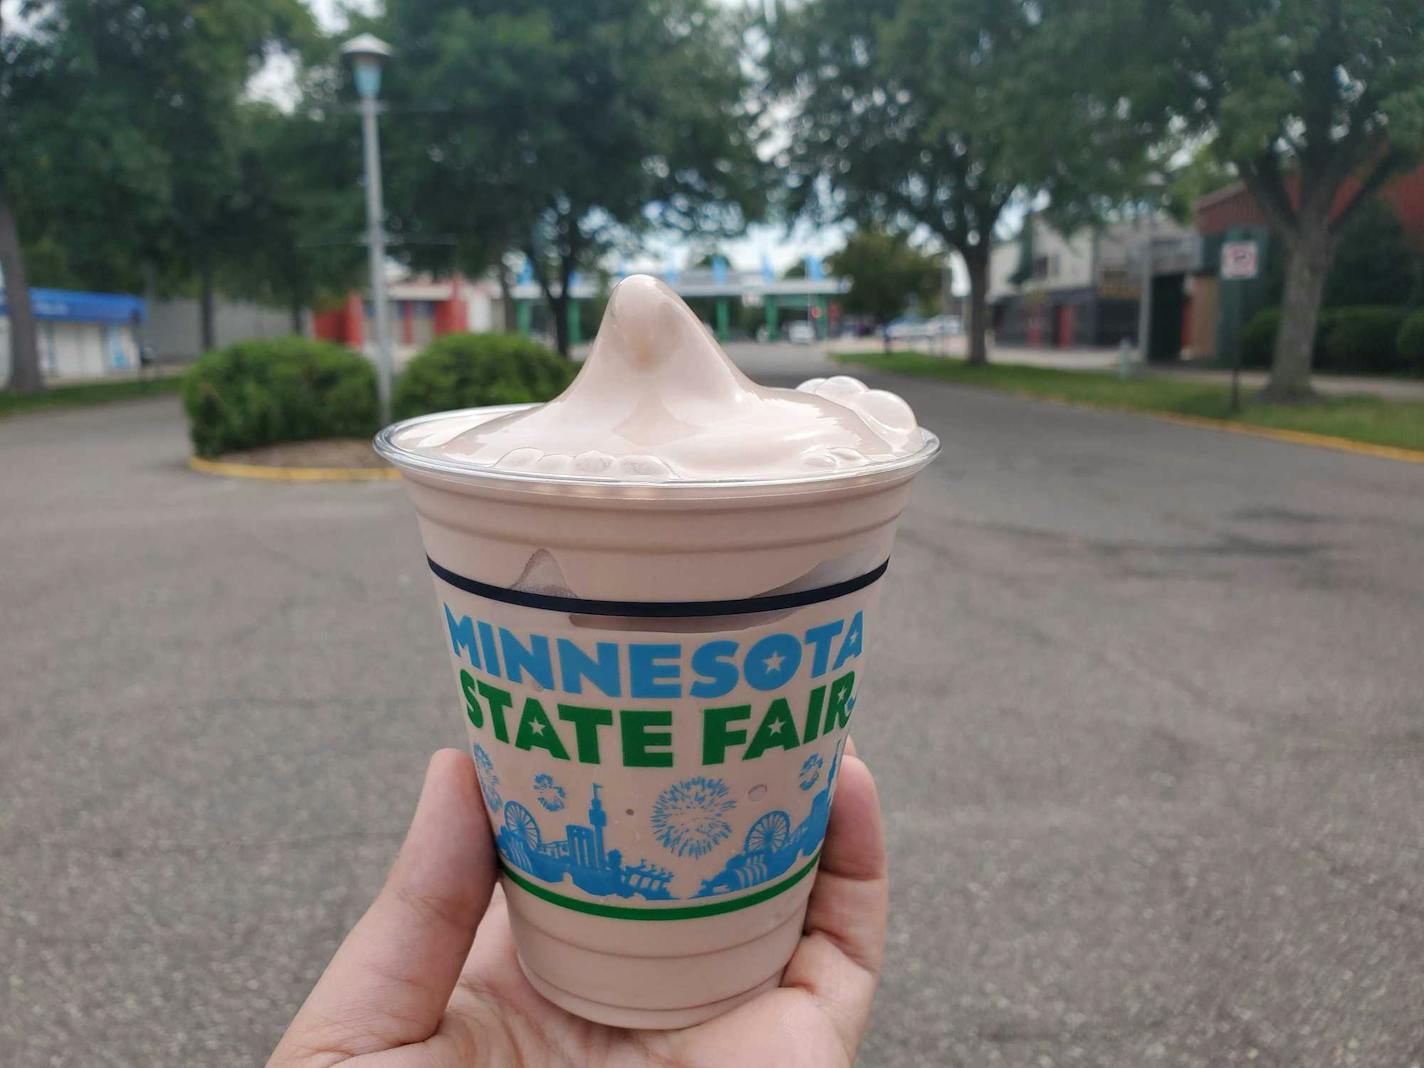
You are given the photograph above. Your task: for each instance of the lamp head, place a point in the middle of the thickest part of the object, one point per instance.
(368, 54)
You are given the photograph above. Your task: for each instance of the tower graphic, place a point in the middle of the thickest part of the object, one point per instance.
(581, 856)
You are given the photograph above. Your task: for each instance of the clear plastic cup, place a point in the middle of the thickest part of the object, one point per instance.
(657, 681)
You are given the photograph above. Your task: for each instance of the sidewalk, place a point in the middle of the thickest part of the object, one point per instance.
(1398, 389)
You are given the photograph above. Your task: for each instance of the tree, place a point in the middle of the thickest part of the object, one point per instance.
(294, 215)
(90, 220)
(886, 272)
(939, 113)
(1317, 103)
(120, 127)
(561, 128)
(199, 58)
(24, 352)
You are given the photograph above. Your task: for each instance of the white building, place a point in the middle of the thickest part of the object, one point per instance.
(1081, 289)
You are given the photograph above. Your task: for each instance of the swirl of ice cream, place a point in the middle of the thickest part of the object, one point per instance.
(658, 400)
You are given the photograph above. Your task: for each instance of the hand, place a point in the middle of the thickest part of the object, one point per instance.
(406, 990)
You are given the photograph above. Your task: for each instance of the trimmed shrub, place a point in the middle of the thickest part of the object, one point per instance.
(271, 390)
(1410, 343)
(471, 370)
(1359, 340)
(1258, 340)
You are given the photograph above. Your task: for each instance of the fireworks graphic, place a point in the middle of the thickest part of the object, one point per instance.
(689, 816)
(811, 771)
(549, 793)
(489, 781)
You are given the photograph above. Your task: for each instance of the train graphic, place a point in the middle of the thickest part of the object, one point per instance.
(581, 855)
(772, 846)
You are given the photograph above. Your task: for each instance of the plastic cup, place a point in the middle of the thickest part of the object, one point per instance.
(657, 681)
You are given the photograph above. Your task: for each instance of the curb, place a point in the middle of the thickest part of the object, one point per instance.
(264, 473)
(1293, 437)
(1201, 422)
(1250, 430)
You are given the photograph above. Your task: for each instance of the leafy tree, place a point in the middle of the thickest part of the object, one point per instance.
(294, 214)
(200, 58)
(1317, 103)
(92, 221)
(1202, 173)
(123, 120)
(939, 113)
(561, 128)
(886, 272)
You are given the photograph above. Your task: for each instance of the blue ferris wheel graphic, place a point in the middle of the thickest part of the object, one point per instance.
(772, 845)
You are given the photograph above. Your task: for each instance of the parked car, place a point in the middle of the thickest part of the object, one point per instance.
(945, 326)
(911, 327)
(905, 327)
(801, 333)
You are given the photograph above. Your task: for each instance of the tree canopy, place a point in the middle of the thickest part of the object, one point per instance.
(130, 120)
(938, 113)
(561, 129)
(886, 274)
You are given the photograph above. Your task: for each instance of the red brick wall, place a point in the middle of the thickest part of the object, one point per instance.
(344, 324)
(1234, 206)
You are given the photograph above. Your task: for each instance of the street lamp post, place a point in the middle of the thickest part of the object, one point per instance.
(367, 54)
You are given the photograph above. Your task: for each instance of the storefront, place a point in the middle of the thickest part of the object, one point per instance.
(80, 335)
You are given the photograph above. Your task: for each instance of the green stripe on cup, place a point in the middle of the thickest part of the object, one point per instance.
(674, 912)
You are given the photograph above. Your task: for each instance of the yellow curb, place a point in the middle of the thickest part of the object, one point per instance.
(293, 474)
(1294, 437)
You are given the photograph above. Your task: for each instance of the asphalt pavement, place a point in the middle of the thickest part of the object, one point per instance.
(1147, 712)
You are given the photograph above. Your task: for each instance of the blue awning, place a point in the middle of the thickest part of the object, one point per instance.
(65, 305)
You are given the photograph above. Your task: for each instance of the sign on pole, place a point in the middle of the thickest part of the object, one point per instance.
(1239, 260)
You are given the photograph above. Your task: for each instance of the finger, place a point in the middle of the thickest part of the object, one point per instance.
(839, 960)
(389, 983)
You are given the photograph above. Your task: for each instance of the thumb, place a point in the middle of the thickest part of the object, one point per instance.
(390, 981)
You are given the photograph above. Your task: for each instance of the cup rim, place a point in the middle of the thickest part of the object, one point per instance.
(409, 460)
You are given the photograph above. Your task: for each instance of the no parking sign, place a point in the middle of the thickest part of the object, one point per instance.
(1239, 260)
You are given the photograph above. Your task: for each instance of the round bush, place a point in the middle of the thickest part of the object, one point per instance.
(1359, 340)
(472, 370)
(1410, 343)
(271, 390)
(1258, 340)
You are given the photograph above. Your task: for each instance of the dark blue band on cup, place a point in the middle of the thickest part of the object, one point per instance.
(658, 609)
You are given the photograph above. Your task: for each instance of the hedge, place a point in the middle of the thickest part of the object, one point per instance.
(1258, 340)
(1364, 339)
(469, 370)
(271, 390)
(1410, 343)
(1359, 340)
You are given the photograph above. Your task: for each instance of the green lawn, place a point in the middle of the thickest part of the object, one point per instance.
(1367, 419)
(88, 393)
